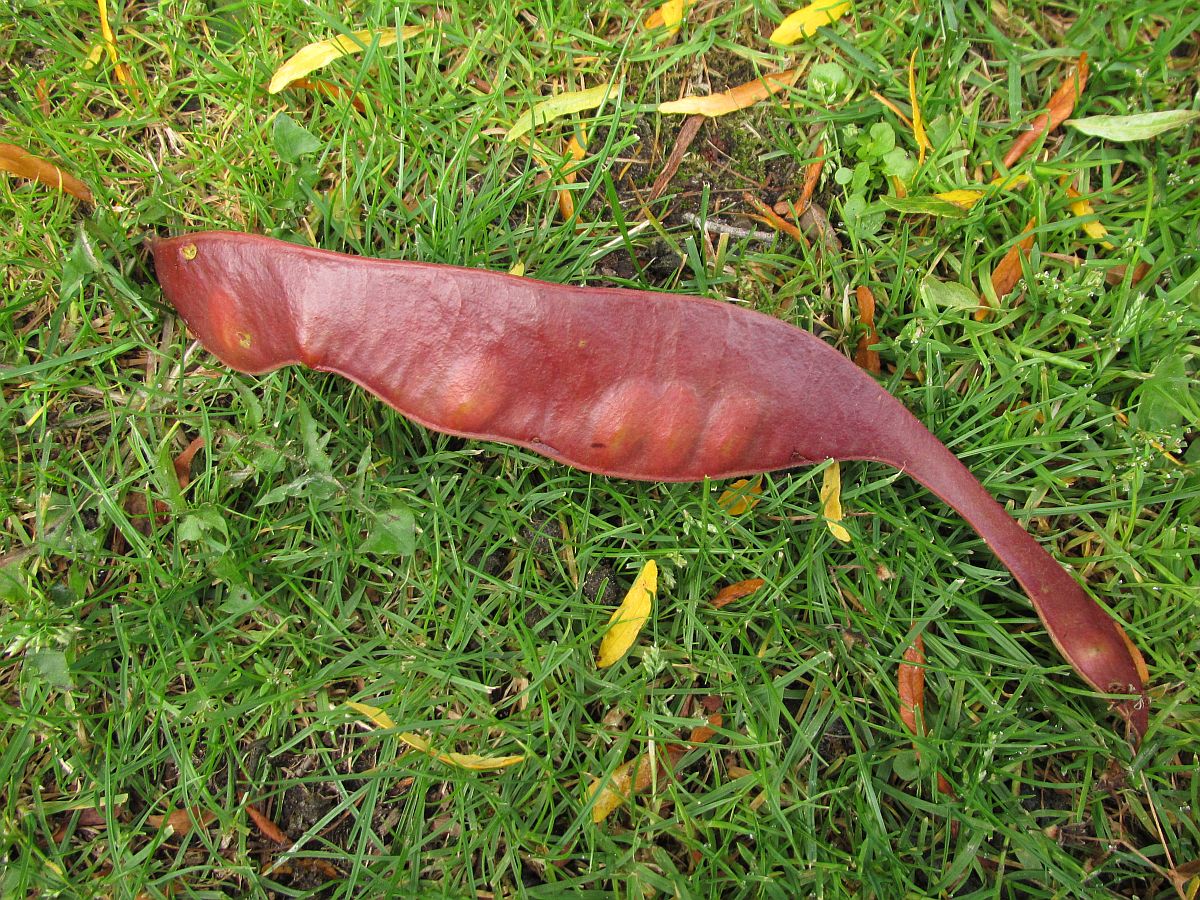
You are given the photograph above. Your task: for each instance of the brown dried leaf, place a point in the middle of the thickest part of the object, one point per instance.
(736, 591)
(1059, 109)
(740, 97)
(25, 165)
(269, 829)
(691, 127)
(183, 462)
(864, 356)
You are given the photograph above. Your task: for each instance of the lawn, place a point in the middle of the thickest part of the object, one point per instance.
(216, 667)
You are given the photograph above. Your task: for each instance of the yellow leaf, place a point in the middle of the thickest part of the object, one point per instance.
(805, 22)
(93, 57)
(110, 42)
(613, 794)
(462, 760)
(733, 99)
(630, 616)
(560, 105)
(669, 16)
(918, 121)
(310, 58)
(374, 713)
(741, 496)
(518, 268)
(1081, 207)
(961, 197)
(831, 502)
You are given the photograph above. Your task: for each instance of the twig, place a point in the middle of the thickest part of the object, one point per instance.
(714, 226)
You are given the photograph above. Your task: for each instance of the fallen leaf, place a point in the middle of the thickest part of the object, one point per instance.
(320, 53)
(181, 821)
(911, 681)
(812, 175)
(1060, 107)
(1082, 207)
(183, 462)
(627, 621)
(960, 197)
(110, 44)
(561, 105)
(329, 89)
(25, 165)
(899, 113)
(736, 591)
(1138, 127)
(269, 829)
(736, 98)
(576, 150)
(768, 216)
(864, 356)
(1008, 272)
(669, 16)
(640, 773)
(831, 501)
(918, 122)
(374, 713)
(687, 133)
(462, 760)
(805, 21)
(741, 496)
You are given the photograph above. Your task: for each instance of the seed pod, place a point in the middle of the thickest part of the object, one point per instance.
(624, 383)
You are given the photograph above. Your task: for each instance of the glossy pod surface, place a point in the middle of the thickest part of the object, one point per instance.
(628, 384)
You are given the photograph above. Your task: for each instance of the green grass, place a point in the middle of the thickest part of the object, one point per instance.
(204, 661)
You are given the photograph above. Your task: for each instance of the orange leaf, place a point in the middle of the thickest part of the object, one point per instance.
(736, 591)
(812, 174)
(1008, 271)
(183, 462)
(329, 89)
(181, 821)
(25, 165)
(864, 355)
(1061, 105)
(741, 496)
(740, 97)
(576, 150)
(776, 221)
(270, 830)
(911, 680)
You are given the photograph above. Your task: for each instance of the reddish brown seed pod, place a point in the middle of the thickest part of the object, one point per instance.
(624, 383)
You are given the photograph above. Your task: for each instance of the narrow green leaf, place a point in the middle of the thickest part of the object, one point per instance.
(931, 206)
(559, 105)
(1139, 127)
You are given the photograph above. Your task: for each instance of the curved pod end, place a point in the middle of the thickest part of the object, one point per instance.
(247, 323)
